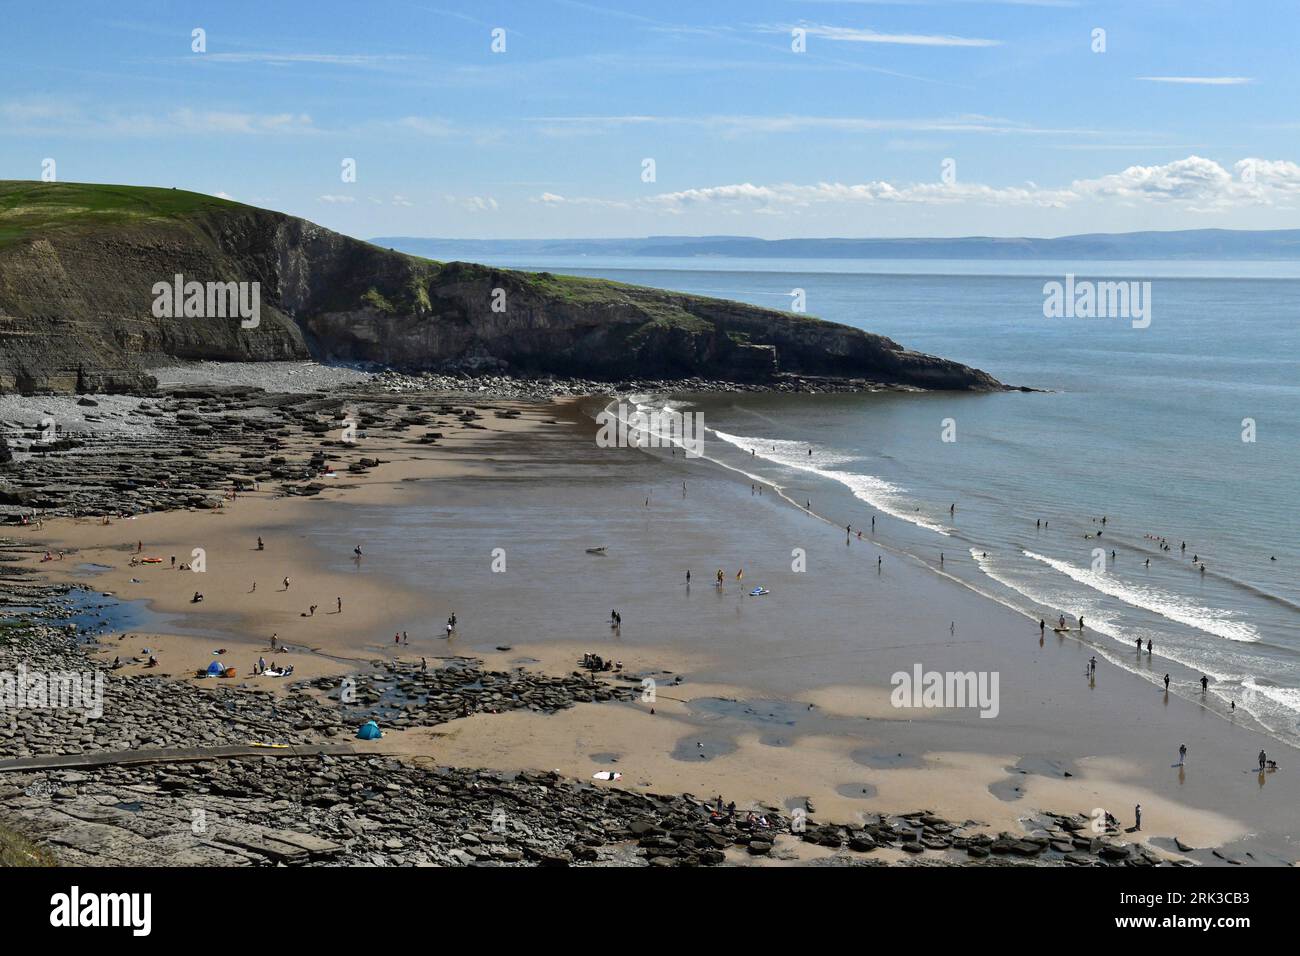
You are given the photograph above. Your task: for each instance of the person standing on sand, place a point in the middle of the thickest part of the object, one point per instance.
(1081, 624)
(1148, 646)
(1166, 683)
(286, 582)
(1263, 760)
(1137, 815)
(424, 666)
(338, 605)
(397, 637)
(1042, 627)
(260, 546)
(879, 559)
(1182, 754)
(1205, 683)
(688, 577)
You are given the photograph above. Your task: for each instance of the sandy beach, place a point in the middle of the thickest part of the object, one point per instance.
(778, 700)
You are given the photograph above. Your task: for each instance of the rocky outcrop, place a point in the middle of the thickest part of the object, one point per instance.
(76, 306)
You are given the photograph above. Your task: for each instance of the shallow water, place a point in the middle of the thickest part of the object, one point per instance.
(1143, 426)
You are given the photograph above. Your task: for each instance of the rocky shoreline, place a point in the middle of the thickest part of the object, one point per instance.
(132, 787)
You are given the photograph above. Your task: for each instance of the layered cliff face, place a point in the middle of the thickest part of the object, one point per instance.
(78, 311)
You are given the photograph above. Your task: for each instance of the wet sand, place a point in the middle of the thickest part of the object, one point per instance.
(782, 698)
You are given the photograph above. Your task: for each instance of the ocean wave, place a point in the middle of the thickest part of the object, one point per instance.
(882, 495)
(1286, 697)
(1212, 621)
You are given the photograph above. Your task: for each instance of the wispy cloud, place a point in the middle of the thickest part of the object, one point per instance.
(50, 117)
(56, 118)
(865, 35)
(939, 3)
(1200, 80)
(793, 123)
(293, 59)
(473, 203)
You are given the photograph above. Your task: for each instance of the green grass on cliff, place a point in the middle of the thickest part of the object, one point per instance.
(35, 208)
(31, 209)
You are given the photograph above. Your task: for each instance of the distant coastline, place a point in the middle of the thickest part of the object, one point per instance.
(1192, 244)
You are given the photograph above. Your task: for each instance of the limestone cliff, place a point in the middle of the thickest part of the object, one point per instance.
(79, 263)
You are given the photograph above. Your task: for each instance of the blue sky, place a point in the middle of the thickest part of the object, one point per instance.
(1190, 117)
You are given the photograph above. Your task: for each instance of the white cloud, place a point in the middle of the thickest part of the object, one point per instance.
(1198, 183)
(336, 199)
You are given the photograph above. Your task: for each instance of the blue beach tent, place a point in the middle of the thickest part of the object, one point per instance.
(369, 731)
(216, 669)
